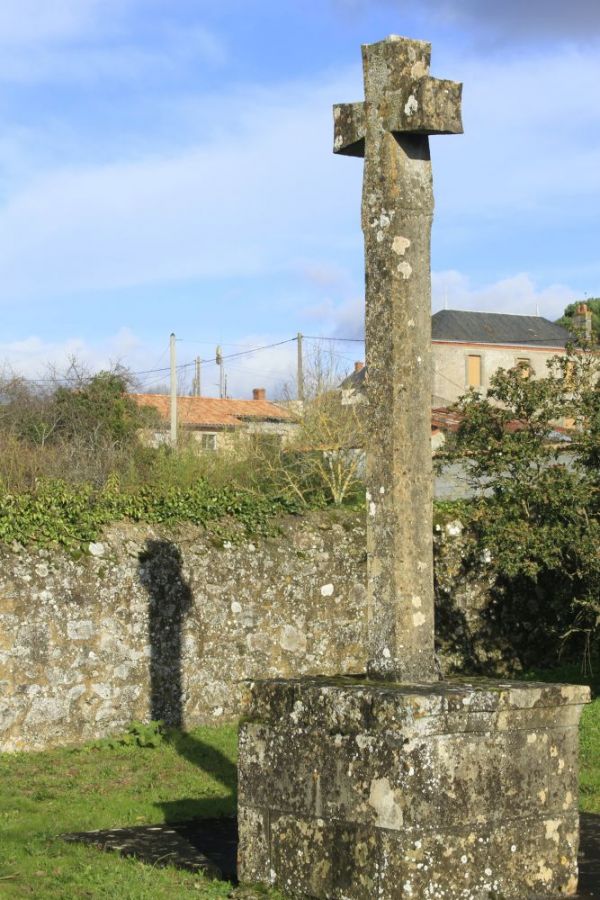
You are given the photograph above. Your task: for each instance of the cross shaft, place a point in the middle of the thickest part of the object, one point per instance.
(390, 129)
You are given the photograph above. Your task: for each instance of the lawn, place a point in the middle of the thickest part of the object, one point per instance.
(589, 732)
(45, 794)
(589, 777)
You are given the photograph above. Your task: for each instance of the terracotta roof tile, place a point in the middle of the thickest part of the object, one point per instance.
(214, 412)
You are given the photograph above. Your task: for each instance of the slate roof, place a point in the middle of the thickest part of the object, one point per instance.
(211, 412)
(497, 328)
(484, 328)
(355, 379)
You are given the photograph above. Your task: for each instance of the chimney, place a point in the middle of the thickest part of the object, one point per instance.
(259, 394)
(582, 321)
(358, 366)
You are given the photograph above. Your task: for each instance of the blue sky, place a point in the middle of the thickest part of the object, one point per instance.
(166, 165)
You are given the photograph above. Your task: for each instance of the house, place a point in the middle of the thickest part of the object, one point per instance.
(214, 422)
(468, 347)
(353, 389)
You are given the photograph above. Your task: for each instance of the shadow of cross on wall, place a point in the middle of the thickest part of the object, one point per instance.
(169, 601)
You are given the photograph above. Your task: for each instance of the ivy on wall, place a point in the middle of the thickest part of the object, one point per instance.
(73, 515)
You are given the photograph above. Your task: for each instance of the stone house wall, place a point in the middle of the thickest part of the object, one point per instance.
(450, 365)
(224, 439)
(157, 623)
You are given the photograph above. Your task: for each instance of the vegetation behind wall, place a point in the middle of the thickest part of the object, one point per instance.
(71, 463)
(536, 511)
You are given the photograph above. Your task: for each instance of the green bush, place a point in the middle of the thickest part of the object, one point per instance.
(139, 734)
(80, 427)
(73, 515)
(537, 501)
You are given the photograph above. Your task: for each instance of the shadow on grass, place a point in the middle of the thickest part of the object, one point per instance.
(214, 763)
(170, 599)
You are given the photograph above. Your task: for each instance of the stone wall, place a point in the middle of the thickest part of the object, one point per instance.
(450, 365)
(158, 623)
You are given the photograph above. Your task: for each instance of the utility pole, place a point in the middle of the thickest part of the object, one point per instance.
(225, 387)
(197, 384)
(219, 362)
(173, 390)
(300, 375)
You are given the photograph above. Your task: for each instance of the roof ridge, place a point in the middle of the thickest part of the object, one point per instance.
(215, 399)
(486, 312)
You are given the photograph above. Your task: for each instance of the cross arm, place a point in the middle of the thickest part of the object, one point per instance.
(428, 106)
(350, 127)
(424, 106)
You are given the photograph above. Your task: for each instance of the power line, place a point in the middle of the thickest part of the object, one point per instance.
(147, 375)
(208, 343)
(310, 337)
(211, 359)
(182, 366)
(262, 375)
(461, 387)
(264, 347)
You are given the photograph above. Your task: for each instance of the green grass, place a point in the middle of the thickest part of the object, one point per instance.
(589, 732)
(45, 794)
(589, 776)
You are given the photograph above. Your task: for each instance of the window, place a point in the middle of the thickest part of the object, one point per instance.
(524, 367)
(473, 371)
(208, 442)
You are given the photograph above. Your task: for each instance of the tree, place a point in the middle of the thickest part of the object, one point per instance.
(567, 318)
(323, 460)
(75, 406)
(27, 410)
(537, 499)
(99, 409)
(73, 426)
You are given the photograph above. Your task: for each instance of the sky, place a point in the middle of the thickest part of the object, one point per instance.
(167, 166)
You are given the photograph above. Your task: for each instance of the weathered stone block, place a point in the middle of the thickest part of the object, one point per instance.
(353, 789)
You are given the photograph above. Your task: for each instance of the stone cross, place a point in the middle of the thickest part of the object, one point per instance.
(390, 129)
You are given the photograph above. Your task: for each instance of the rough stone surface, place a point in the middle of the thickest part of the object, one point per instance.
(403, 106)
(75, 648)
(167, 623)
(353, 789)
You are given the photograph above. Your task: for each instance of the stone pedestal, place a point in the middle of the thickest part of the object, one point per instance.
(354, 789)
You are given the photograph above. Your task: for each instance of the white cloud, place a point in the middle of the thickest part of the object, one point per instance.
(343, 317)
(249, 187)
(324, 274)
(518, 295)
(33, 356)
(249, 199)
(34, 22)
(78, 57)
(273, 368)
(532, 139)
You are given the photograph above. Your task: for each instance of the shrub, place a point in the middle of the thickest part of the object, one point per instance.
(537, 499)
